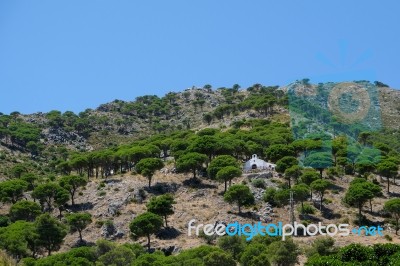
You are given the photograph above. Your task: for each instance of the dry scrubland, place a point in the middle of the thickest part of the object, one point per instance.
(116, 200)
(204, 202)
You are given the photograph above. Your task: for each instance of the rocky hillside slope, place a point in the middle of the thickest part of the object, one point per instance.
(120, 121)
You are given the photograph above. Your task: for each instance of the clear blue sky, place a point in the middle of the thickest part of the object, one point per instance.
(73, 55)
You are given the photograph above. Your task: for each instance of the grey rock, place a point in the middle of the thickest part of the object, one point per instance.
(128, 198)
(114, 207)
(198, 194)
(108, 230)
(170, 250)
(140, 195)
(119, 234)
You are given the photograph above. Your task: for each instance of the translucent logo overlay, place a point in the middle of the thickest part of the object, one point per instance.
(344, 111)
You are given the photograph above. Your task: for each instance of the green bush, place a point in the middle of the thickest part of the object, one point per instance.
(258, 183)
(118, 256)
(101, 193)
(283, 252)
(4, 221)
(219, 258)
(383, 252)
(269, 196)
(209, 239)
(327, 201)
(306, 209)
(394, 260)
(101, 185)
(232, 244)
(322, 246)
(99, 223)
(332, 172)
(324, 261)
(356, 252)
(252, 251)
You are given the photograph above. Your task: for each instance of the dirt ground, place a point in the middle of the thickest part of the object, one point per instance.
(205, 204)
(117, 200)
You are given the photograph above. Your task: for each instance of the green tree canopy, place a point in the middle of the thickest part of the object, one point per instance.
(162, 205)
(319, 161)
(239, 194)
(364, 166)
(281, 197)
(72, 183)
(283, 253)
(269, 196)
(146, 224)
(252, 253)
(205, 144)
(387, 169)
(18, 170)
(194, 256)
(119, 256)
(320, 186)
(148, 166)
(393, 207)
(375, 189)
(192, 161)
(12, 190)
(151, 259)
(220, 162)
(285, 163)
(78, 222)
(48, 193)
(293, 172)
(60, 200)
(357, 195)
(227, 174)
(30, 178)
(301, 192)
(4, 220)
(25, 210)
(308, 176)
(278, 151)
(232, 244)
(19, 239)
(322, 246)
(208, 117)
(51, 232)
(219, 258)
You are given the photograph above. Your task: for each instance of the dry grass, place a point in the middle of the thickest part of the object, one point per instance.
(6, 260)
(205, 204)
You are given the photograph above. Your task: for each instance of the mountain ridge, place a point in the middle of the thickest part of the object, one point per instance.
(174, 111)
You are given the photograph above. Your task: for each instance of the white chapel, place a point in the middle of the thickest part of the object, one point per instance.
(256, 163)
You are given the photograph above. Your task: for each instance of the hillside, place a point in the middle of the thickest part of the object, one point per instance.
(120, 121)
(125, 154)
